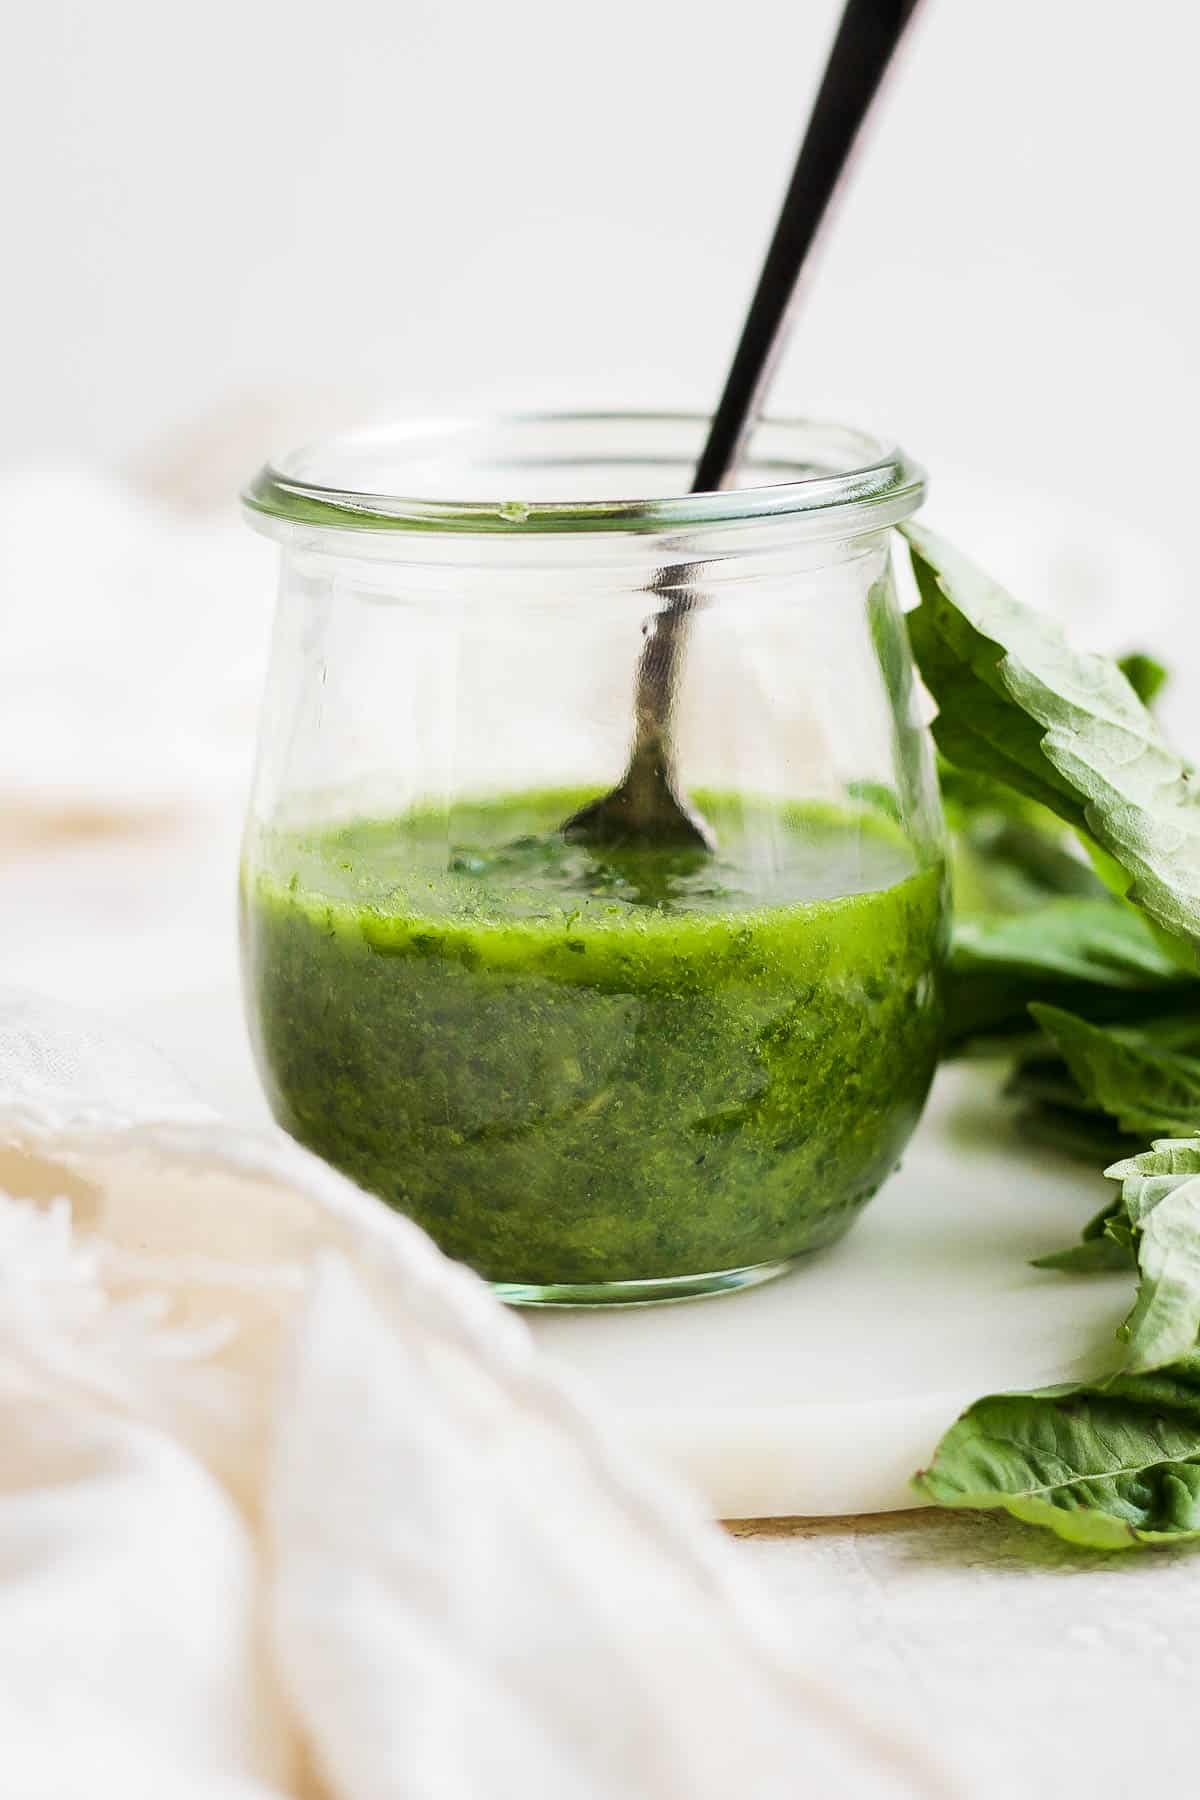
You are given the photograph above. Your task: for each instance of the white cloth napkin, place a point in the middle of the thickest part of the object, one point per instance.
(289, 1505)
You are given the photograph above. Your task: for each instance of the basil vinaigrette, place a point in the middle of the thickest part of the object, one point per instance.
(577, 1067)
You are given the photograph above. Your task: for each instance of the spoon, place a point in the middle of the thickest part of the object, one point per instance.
(647, 806)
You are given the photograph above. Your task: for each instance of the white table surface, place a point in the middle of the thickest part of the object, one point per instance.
(1036, 1670)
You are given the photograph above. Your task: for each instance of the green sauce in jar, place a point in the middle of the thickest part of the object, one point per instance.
(576, 1068)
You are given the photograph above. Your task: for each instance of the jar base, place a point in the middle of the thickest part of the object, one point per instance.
(664, 1291)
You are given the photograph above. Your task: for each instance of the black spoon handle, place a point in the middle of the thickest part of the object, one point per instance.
(866, 39)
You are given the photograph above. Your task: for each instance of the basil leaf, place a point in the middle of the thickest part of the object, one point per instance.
(1105, 1244)
(1017, 704)
(1109, 1465)
(1006, 865)
(1095, 1256)
(1160, 1195)
(1149, 1177)
(1145, 1090)
(1088, 940)
(977, 729)
(1155, 1221)
(1145, 675)
(1009, 852)
(1092, 956)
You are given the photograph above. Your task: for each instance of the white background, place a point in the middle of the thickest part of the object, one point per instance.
(290, 213)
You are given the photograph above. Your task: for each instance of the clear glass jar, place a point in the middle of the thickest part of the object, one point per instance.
(596, 1074)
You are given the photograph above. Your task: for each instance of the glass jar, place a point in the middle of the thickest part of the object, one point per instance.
(596, 1072)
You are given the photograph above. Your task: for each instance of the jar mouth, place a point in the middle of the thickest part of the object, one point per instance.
(553, 472)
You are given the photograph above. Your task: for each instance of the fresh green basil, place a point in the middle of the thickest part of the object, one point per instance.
(1017, 705)
(1109, 1465)
(1147, 1090)
(1091, 956)
(1091, 962)
(1160, 1194)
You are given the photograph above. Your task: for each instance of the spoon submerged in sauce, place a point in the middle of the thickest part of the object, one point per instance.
(648, 805)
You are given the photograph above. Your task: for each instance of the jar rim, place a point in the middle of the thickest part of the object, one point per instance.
(834, 477)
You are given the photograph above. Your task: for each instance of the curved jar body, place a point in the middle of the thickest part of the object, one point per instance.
(594, 1074)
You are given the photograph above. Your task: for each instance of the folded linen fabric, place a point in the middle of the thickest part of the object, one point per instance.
(289, 1505)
